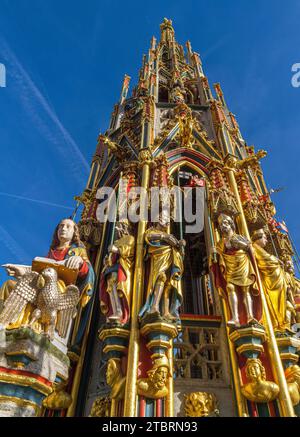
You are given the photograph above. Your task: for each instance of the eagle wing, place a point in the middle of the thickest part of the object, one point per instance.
(24, 291)
(66, 309)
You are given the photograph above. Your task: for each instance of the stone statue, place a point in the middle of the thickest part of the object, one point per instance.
(116, 278)
(201, 404)
(292, 375)
(258, 389)
(115, 379)
(66, 251)
(234, 271)
(274, 281)
(155, 386)
(166, 268)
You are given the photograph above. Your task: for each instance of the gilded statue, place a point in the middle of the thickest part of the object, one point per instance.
(293, 290)
(258, 389)
(166, 268)
(55, 310)
(234, 271)
(115, 379)
(59, 399)
(116, 277)
(101, 407)
(67, 254)
(275, 284)
(292, 375)
(155, 386)
(201, 404)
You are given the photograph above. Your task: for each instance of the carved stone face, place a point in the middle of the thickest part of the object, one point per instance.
(254, 371)
(110, 373)
(225, 224)
(200, 404)
(290, 267)
(65, 230)
(262, 241)
(296, 376)
(203, 404)
(160, 377)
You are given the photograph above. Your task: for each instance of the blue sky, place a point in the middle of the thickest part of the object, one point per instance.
(65, 62)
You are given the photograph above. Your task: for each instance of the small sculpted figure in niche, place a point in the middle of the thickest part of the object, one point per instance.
(275, 282)
(116, 277)
(234, 271)
(165, 254)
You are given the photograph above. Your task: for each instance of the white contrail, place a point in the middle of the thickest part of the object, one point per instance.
(13, 246)
(219, 43)
(42, 202)
(72, 154)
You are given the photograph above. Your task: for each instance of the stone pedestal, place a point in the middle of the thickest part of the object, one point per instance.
(29, 366)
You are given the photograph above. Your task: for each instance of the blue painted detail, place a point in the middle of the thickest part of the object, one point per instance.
(251, 354)
(249, 340)
(206, 146)
(18, 391)
(120, 341)
(149, 407)
(158, 336)
(288, 349)
(19, 359)
(167, 140)
(158, 350)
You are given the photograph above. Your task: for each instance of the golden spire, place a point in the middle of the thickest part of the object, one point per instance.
(167, 31)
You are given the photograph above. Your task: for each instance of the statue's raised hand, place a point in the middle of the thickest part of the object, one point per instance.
(16, 270)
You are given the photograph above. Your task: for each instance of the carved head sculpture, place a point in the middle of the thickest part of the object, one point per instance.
(66, 231)
(200, 404)
(289, 266)
(255, 370)
(260, 238)
(292, 374)
(160, 372)
(226, 224)
(113, 371)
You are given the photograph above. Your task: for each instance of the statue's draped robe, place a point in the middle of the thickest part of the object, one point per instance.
(235, 266)
(85, 283)
(121, 264)
(163, 259)
(274, 281)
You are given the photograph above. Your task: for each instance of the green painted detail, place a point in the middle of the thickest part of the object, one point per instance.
(40, 340)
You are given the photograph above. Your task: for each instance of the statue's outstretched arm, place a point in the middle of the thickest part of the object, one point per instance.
(16, 270)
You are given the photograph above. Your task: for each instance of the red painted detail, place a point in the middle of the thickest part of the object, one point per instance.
(158, 408)
(254, 409)
(142, 407)
(272, 409)
(23, 373)
(145, 362)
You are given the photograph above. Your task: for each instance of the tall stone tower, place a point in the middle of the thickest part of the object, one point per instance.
(185, 320)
